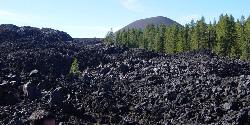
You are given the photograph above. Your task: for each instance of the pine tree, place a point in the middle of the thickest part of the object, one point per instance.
(137, 40)
(110, 37)
(140, 39)
(211, 35)
(225, 35)
(179, 39)
(74, 69)
(125, 38)
(241, 34)
(201, 34)
(193, 36)
(172, 43)
(238, 47)
(118, 37)
(131, 38)
(150, 37)
(186, 38)
(226, 38)
(168, 42)
(160, 39)
(146, 35)
(233, 45)
(246, 45)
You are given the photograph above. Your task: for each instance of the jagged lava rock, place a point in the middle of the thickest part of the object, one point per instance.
(118, 85)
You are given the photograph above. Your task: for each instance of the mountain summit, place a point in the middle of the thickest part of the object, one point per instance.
(142, 23)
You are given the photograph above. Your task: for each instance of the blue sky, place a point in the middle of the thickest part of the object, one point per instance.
(94, 18)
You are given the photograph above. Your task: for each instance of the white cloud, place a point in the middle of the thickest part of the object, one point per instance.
(133, 5)
(187, 19)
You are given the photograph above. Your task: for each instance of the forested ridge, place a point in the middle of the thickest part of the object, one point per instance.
(225, 37)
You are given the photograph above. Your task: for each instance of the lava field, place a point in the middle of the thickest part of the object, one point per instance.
(117, 85)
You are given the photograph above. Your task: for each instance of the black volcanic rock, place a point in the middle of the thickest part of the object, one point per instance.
(9, 32)
(119, 85)
(31, 91)
(88, 41)
(142, 23)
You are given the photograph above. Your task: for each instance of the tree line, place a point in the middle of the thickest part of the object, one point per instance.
(227, 37)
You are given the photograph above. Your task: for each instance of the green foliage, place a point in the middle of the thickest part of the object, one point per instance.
(159, 42)
(149, 37)
(74, 69)
(211, 35)
(201, 34)
(237, 48)
(170, 39)
(246, 44)
(193, 36)
(186, 38)
(225, 37)
(110, 37)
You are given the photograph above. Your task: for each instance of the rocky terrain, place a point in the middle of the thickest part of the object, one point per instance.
(117, 85)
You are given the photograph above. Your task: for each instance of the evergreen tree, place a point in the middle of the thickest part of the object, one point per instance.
(193, 36)
(172, 43)
(131, 38)
(118, 37)
(74, 69)
(137, 35)
(187, 38)
(238, 47)
(211, 35)
(125, 38)
(140, 39)
(146, 40)
(226, 38)
(179, 39)
(201, 34)
(150, 37)
(241, 34)
(246, 45)
(226, 35)
(110, 37)
(234, 46)
(169, 38)
(160, 39)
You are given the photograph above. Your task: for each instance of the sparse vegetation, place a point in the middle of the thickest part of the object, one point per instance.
(75, 67)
